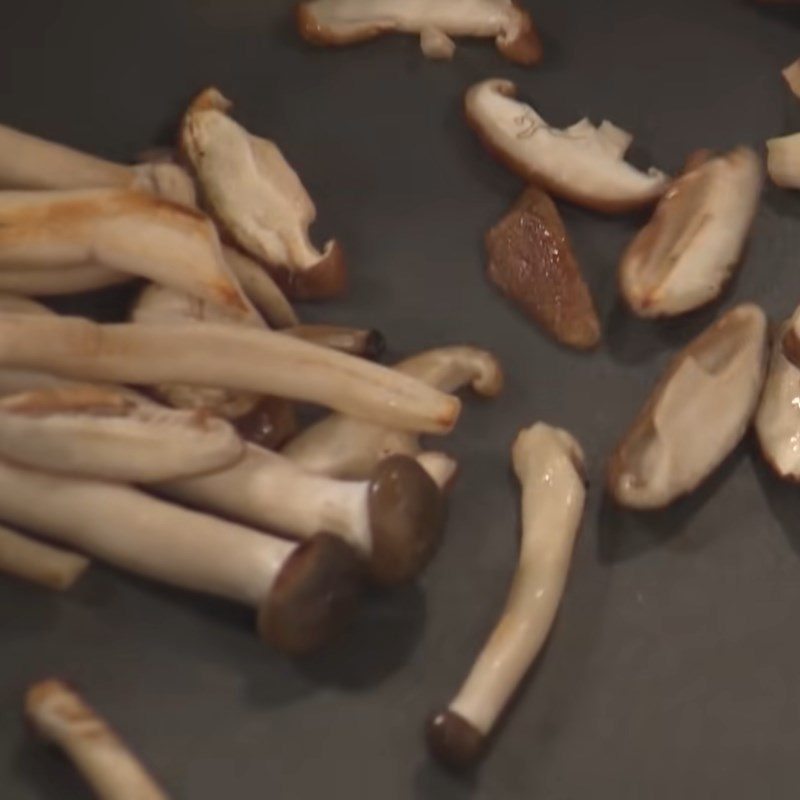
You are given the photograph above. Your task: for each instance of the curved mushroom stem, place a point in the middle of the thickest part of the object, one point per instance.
(356, 341)
(550, 467)
(61, 716)
(395, 520)
(62, 280)
(38, 562)
(783, 161)
(303, 593)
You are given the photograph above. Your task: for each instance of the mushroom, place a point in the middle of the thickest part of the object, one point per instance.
(62, 717)
(37, 562)
(16, 304)
(356, 341)
(395, 520)
(441, 467)
(303, 593)
(698, 412)
(582, 163)
(258, 199)
(96, 431)
(549, 464)
(532, 262)
(126, 230)
(238, 358)
(60, 280)
(783, 161)
(685, 255)
(338, 22)
(342, 447)
(791, 75)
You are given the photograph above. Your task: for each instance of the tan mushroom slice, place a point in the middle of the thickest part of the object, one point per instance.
(783, 161)
(581, 163)
(238, 358)
(338, 22)
(258, 199)
(60, 280)
(791, 75)
(356, 341)
(340, 446)
(63, 718)
(40, 563)
(549, 464)
(697, 414)
(303, 592)
(531, 261)
(685, 255)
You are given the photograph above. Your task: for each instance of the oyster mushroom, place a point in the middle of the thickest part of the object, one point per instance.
(550, 466)
(696, 415)
(62, 717)
(338, 22)
(238, 358)
(791, 75)
(582, 163)
(258, 199)
(37, 562)
(532, 263)
(60, 280)
(303, 593)
(395, 520)
(356, 341)
(125, 230)
(783, 161)
(685, 255)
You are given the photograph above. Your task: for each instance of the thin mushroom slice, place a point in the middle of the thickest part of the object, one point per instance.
(783, 161)
(356, 341)
(531, 261)
(62, 717)
(258, 199)
(684, 257)
(395, 520)
(791, 75)
(549, 464)
(582, 163)
(61, 280)
(303, 593)
(40, 563)
(697, 414)
(238, 358)
(338, 22)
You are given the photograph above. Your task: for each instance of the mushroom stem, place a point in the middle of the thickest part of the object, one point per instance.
(230, 357)
(61, 716)
(303, 593)
(356, 341)
(791, 74)
(550, 466)
(61, 280)
(38, 562)
(441, 467)
(783, 160)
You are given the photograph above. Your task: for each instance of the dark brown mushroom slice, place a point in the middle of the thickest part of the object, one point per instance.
(453, 741)
(532, 262)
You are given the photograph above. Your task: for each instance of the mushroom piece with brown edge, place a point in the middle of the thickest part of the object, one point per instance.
(303, 593)
(258, 199)
(582, 163)
(783, 161)
(37, 562)
(356, 341)
(698, 412)
(339, 22)
(685, 255)
(549, 464)
(531, 261)
(395, 520)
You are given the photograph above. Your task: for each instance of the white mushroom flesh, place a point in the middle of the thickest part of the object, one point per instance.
(783, 161)
(441, 467)
(40, 563)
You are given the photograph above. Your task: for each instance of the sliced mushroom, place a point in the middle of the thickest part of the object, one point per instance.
(303, 593)
(125, 230)
(258, 199)
(581, 163)
(685, 255)
(340, 446)
(60, 280)
(783, 160)
(37, 562)
(532, 262)
(550, 466)
(230, 357)
(697, 414)
(791, 75)
(62, 717)
(338, 22)
(356, 341)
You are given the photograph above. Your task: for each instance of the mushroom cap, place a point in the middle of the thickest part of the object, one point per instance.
(324, 279)
(313, 598)
(453, 741)
(407, 519)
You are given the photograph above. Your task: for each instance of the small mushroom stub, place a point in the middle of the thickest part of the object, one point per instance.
(532, 262)
(338, 22)
(783, 161)
(259, 199)
(697, 414)
(550, 466)
(791, 75)
(582, 163)
(685, 255)
(40, 563)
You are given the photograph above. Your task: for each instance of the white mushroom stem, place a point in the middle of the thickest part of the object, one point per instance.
(791, 75)
(783, 161)
(128, 231)
(581, 163)
(61, 280)
(550, 466)
(62, 717)
(16, 304)
(37, 562)
(357, 341)
(229, 357)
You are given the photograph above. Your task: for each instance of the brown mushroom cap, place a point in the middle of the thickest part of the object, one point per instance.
(453, 741)
(313, 598)
(407, 517)
(271, 423)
